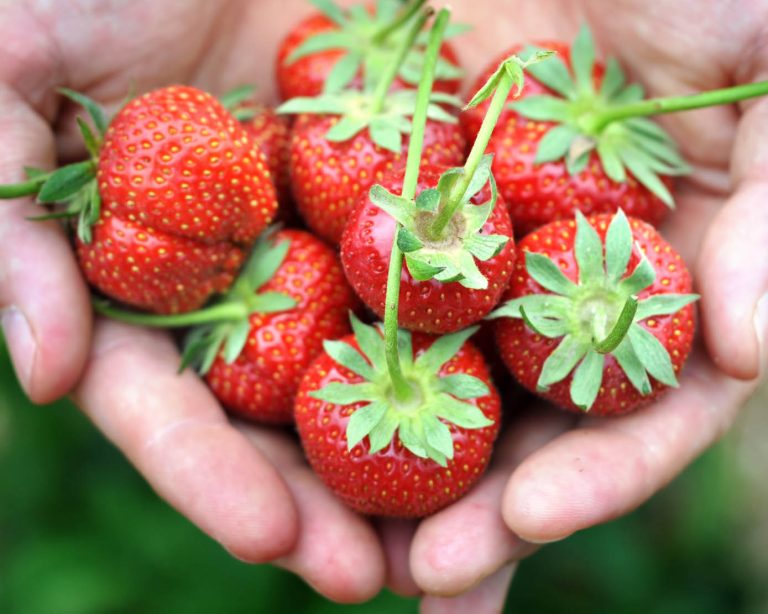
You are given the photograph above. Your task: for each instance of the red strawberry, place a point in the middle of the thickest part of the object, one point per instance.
(329, 177)
(303, 67)
(353, 447)
(262, 382)
(553, 156)
(428, 305)
(173, 194)
(571, 332)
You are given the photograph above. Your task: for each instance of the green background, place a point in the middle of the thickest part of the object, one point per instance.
(80, 533)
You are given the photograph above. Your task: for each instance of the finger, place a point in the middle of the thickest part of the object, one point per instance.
(608, 467)
(487, 597)
(173, 430)
(46, 317)
(468, 541)
(733, 272)
(338, 552)
(396, 538)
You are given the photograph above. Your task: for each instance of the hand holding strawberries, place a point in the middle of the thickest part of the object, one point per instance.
(175, 432)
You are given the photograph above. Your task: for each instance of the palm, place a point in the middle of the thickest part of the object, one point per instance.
(249, 487)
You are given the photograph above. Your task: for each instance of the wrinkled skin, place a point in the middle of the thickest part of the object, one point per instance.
(248, 487)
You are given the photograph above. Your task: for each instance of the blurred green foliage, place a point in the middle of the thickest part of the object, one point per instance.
(81, 533)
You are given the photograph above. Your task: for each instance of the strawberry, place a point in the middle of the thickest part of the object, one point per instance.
(427, 305)
(330, 48)
(174, 195)
(347, 422)
(553, 156)
(598, 316)
(329, 177)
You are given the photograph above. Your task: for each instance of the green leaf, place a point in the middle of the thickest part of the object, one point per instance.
(542, 108)
(66, 181)
(642, 277)
(344, 394)
(343, 71)
(555, 143)
(485, 247)
(587, 379)
(264, 261)
(385, 135)
(632, 93)
(397, 207)
(88, 202)
(583, 60)
(561, 362)
(613, 79)
(480, 177)
(464, 386)
(346, 128)
(90, 140)
(271, 302)
(618, 247)
(575, 164)
(634, 370)
(653, 355)
(381, 435)
(543, 305)
(237, 96)
(548, 275)
(588, 250)
(93, 109)
(407, 241)
(428, 200)
(438, 436)
(370, 341)
(327, 104)
(420, 270)
(347, 356)
(611, 161)
(332, 11)
(555, 75)
(443, 349)
(363, 421)
(663, 304)
(236, 338)
(460, 413)
(411, 438)
(470, 275)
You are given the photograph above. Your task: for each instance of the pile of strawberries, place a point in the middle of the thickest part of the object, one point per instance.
(591, 308)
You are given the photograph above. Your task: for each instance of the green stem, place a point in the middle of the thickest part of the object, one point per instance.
(27, 188)
(619, 330)
(595, 123)
(225, 312)
(456, 197)
(401, 387)
(393, 68)
(405, 15)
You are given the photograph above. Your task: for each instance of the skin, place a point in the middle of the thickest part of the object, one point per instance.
(249, 488)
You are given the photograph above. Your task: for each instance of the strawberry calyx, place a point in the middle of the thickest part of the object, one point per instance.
(420, 419)
(224, 325)
(368, 41)
(382, 112)
(74, 186)
(611, 120)
(598, 315)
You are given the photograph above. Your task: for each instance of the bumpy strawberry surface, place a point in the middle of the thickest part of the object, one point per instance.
(329, 177)
(262, 382)
(428, 306)
(307, 76)
(392, 482)
(538, 193)
(176, 164)
(525, 351)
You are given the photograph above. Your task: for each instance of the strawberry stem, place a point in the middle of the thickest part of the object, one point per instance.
(594, 123)
(225, 312)
(402, 389)
(393, 68)
(455, 198)
(26, 188)
(406, 13)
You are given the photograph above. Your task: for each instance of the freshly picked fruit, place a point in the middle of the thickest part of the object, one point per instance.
(254, 344)
(579, 138)
(336, 48)
(168, 204)
(598, 316)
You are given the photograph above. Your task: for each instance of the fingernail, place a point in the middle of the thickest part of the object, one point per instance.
(21, 343)
(761, 330)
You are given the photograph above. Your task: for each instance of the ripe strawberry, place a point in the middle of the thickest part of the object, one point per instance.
(261, 382)
(556, 152)
(427, 305)
(174, 193)
(443, 444)
(335, 44)
(591, 314)
(329, 177)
